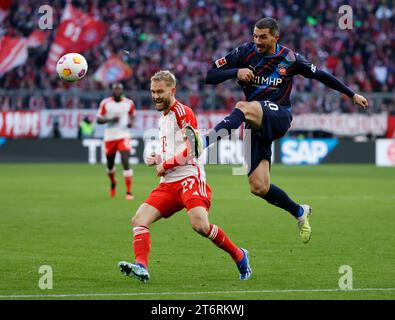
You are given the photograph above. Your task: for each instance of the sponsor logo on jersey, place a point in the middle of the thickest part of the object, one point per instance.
(270, 81)
(220, 62)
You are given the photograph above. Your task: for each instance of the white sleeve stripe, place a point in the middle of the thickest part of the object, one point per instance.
(181, 108)
(178, 111)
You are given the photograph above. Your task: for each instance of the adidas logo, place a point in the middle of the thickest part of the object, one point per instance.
(195, 193)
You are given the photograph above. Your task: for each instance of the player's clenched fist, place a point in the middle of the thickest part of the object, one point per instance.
(245, 75)
(153, 159)
(360, 100)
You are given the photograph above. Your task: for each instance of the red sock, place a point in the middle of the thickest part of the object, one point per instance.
(111, 175)
(128, 183)
(127, 174)
(221, 240)
(141, 245)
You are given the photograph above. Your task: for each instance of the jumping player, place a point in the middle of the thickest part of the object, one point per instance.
(264, 70)
(182, 184)
(117, 112)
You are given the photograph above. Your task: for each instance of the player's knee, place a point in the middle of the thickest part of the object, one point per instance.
(259, 189)
(242, 106)
(136, 221)
(201, 228)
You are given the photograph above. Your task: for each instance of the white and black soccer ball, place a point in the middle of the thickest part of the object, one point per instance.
(72, 67)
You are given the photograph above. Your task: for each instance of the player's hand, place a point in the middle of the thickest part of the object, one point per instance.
(160, 170)
(152, 159)
(245, 75)
(360, 100)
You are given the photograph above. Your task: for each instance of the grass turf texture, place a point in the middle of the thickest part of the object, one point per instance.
(62, 216)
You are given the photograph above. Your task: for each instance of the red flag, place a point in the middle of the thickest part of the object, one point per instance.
(13, 50)
(114, 69)
(77, 32)
(13, 53)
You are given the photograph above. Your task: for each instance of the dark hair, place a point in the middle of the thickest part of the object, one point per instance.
(268, 23)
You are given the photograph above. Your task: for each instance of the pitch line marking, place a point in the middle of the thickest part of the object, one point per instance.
(187, 293)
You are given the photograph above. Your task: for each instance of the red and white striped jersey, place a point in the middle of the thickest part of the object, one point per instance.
(123, 109)
(173, 143)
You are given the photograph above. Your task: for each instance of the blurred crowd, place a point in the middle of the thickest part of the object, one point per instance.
(186, 36)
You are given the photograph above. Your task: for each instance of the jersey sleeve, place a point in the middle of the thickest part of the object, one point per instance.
(309, 70)
(226, 68)
(132, 109)
(231, 60)
(185, 116)
(102, 109)
(304, 67)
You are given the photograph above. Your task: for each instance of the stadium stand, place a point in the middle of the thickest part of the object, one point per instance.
(185, 36)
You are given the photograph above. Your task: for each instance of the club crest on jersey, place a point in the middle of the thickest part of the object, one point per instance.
(220, 62)
(281, 69)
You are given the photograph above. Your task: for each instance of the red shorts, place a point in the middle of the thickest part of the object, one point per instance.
(120, 145)
(172, 197)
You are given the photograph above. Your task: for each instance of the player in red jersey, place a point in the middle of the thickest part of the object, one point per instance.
(117, 112)
(182, 184)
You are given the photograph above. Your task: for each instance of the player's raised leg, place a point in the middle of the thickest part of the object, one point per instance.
(127, 174)
(144, 217)
(111, 173)
(260, 186)
(250, 112)
(198, 217)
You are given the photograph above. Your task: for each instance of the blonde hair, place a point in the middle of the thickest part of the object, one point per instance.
(166, 76)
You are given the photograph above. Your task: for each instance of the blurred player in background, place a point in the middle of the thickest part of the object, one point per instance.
(264, 70)
(182, 184)
(118, 113)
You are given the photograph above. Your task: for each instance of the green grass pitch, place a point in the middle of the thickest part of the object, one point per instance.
(61, 215)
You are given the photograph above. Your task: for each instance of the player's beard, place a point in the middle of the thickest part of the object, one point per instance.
(117, 97)
(162, 104)
(262, 49)
(266, 49)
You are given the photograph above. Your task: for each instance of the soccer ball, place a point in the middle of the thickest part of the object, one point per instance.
(72, 67)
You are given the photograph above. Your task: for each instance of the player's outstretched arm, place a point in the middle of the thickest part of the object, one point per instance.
(334, 83)
(216, 76)
(309, 70)
(103, 120)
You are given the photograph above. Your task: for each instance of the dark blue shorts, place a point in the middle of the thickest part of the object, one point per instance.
(275, 124)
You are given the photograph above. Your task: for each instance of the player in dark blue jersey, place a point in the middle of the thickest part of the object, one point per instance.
(264, 70)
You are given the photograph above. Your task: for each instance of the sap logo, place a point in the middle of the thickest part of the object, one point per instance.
(270, 81)
(2, 141)
(306, 151)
